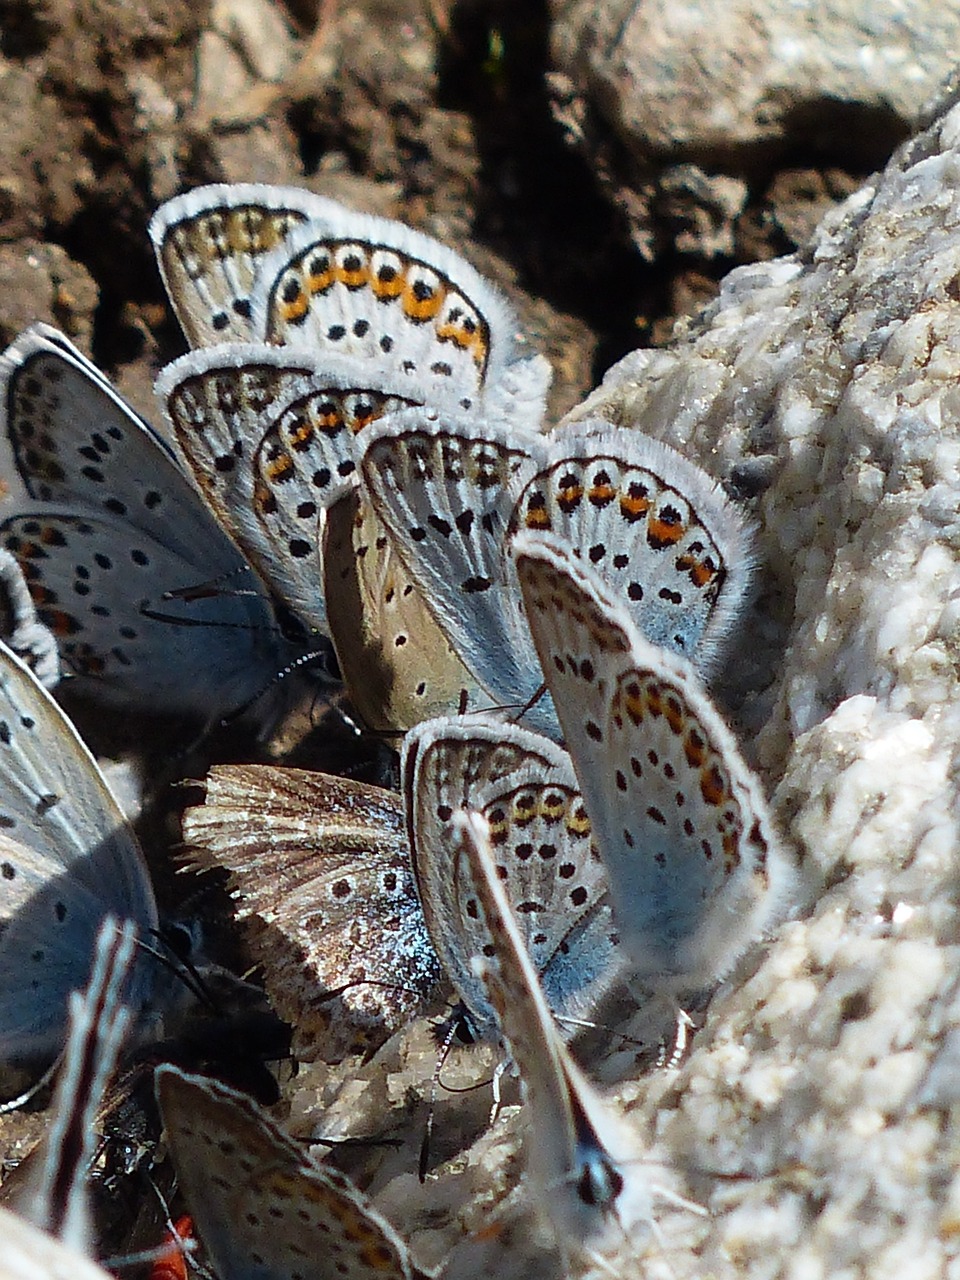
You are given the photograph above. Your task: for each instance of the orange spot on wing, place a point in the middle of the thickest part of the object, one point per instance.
(713, 786)
(422, 307)
(665, 532)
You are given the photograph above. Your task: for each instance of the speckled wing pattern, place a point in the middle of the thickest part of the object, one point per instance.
(322, 866)
(210, 243)
(68, 858)
(115, 527)
(269, 435)
(584, 1158)
(376, 290)
(696, 868)
(397, 664)
(262, 1208)
(444, 487)
(668, 543)
(525, 788)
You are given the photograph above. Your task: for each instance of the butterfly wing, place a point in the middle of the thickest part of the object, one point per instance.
(353, 284)
(444, 487)
(262, 1209)
(695, 866)
(670, 545)
(210, 243)
(525, 787)
(573, 1135)
(121, 528)
(323, 866)
(68, 858)
(397, 664)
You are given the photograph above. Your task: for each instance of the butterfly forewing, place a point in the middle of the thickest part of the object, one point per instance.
(125, 563)
(67, 859)
(680, 821)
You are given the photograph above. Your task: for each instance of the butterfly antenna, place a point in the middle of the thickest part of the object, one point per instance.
(531, 702)
(304, 659)
(181, 967)
(443, 1053)
(212, 588)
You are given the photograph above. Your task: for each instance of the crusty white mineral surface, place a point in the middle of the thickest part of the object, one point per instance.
(817, 1117)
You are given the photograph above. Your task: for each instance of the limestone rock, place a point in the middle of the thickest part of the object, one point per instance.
(816, 1118)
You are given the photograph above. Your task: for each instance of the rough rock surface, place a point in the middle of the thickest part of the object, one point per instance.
(689, 106)
(817, 1117)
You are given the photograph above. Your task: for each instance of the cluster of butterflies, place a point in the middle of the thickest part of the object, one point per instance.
(361, 471)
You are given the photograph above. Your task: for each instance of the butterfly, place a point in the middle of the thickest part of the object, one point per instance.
(263, 1210)
(525, 788)
(695, 866)
(322, 865)
(452, 491)
(268, 433)
(584, 1159)
(210, 243)
(151, 603)
(20, 628)
(376, 290)
(68, 859)
(55, 1195)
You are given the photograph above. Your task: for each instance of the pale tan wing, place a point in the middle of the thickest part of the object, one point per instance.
(262, 1208)
(397, 665)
